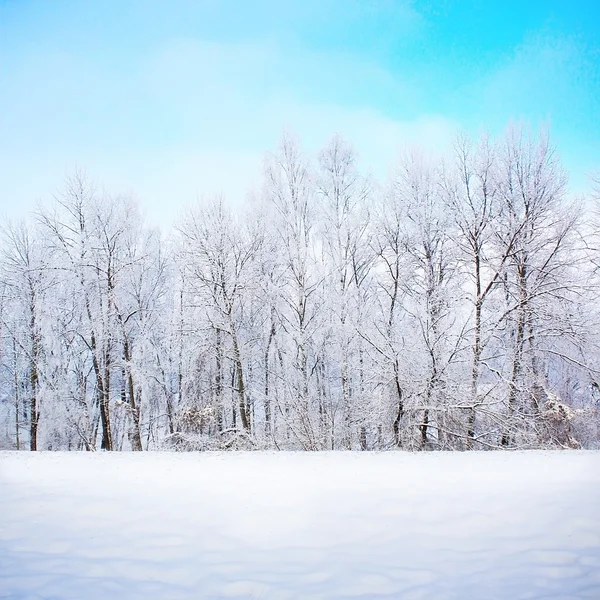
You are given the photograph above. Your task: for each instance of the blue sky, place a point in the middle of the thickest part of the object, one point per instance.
(180, 98)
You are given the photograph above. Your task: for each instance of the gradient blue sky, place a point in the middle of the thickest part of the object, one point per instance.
(180, 98)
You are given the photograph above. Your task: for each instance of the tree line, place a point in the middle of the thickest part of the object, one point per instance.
(453, 306)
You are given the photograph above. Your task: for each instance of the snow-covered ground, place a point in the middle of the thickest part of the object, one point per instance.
(265, 526)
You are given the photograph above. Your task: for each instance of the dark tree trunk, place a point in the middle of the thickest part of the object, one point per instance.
(471, 417)
(400, 406)
(33, 380)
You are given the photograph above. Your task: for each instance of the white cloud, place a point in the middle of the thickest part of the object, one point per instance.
(196, 118)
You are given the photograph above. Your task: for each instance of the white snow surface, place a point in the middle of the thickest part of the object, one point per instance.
(262, 526)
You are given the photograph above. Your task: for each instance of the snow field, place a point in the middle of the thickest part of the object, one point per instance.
(307, 526)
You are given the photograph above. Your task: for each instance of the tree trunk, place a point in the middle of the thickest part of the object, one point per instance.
(135, 435)
(241, 390)
(507, 437)
(17, 395)
(267, 375)
(400, 407)
(346, 402)
(471, 417)
(33, 380)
